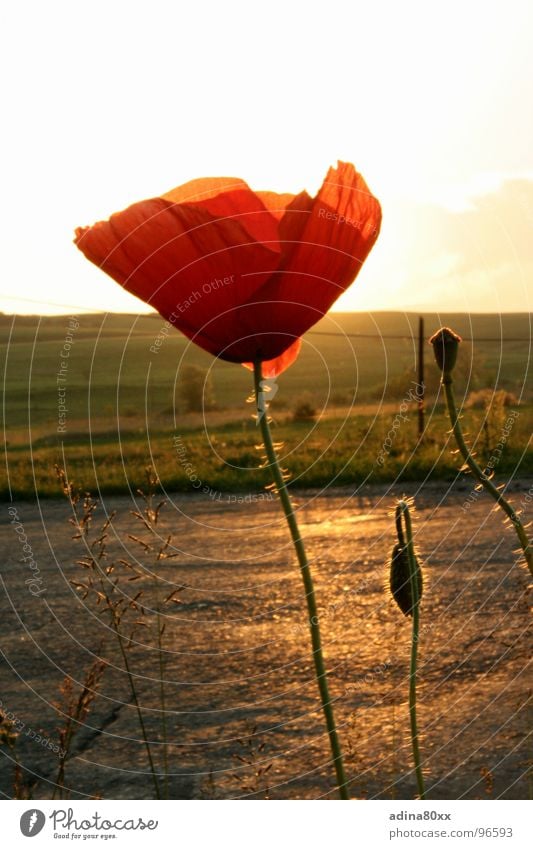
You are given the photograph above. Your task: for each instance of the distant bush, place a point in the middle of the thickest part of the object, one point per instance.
(340, 399)
(304, 409)
(491, 421)
(195, 389)
(483, 399)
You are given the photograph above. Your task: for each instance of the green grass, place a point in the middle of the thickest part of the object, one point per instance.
(122, 414)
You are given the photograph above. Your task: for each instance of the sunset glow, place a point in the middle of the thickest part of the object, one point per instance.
(432, 107)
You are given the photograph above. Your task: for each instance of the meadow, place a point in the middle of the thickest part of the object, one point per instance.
(99, 395)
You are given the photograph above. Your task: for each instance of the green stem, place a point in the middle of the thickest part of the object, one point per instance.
(480, 475)
(162, 698)
(139, 714)
(115, 624)
(413, 569)
(60, 778)
(290, 516)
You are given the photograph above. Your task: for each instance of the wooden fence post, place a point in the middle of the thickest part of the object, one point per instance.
(421, 385)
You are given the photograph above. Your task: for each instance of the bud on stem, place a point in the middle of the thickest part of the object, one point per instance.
(406, 587)
(445, 347)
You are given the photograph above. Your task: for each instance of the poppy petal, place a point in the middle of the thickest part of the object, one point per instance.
(292, 212)
(229, 197)
(271, 368)
(254, 315)
(338, 233)
(193, 268)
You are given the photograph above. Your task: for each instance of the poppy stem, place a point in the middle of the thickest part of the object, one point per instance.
(402, 510)
(480, 475)
(288, 509)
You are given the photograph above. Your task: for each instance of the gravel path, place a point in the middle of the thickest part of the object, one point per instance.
(242, 710)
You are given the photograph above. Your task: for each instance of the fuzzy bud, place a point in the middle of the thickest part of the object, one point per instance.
(445, 347)
(400, 581)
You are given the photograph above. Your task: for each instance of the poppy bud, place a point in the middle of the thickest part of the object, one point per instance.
(400, 581)
(445, 346)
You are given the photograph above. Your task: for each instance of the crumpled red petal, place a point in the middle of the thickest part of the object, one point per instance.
(191, 266)
(337, 233)
(243, 274)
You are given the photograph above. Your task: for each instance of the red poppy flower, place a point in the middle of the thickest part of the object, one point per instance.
(243, 274)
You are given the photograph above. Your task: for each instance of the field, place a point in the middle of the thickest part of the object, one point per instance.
(122, 409)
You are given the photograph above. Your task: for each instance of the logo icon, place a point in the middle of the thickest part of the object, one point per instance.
(268, 390)
(32, 822)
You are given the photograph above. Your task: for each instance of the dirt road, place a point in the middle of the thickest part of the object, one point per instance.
(242, 711)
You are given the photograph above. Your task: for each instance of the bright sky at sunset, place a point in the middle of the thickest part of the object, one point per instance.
(109, 102)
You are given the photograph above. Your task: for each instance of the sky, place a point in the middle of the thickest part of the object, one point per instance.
(110, 102)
